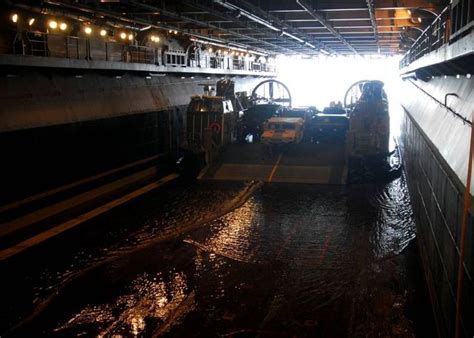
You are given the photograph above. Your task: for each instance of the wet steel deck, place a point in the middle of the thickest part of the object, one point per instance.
(302, 163)
(292, 261)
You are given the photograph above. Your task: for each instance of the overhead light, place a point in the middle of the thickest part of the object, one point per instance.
(31, 22)
(88, 30)
(130, 37)
(53, 24)
(62, 26)
(118, 76)
(175, 32)
(468, 76)
(14, 18)
(419, 19)
(103, 32)
(148, 77)
(123, 36)
(210, 50)
(409, 12)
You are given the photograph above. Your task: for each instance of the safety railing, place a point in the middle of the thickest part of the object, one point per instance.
(70, 47)
(262, 67)
(454, 21)
(433, 37)
(142, 54)
(462, 14)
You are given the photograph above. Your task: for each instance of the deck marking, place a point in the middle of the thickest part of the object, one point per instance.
(55, 209)
(277, 163)
(17, 248)
(74, 184)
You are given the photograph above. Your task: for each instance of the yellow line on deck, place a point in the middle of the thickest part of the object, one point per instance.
(277, 163)
(55, 209)
(74, 184)
(17, 248)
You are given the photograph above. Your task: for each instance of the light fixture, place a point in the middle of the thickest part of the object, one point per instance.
(468, 76)
(31, 22)
(62, 26)
(53, 24)
(409, 12)
(170, 31)
(103, 32)
(210, 49)
(419, 19)
(88, 30)
(458, 76)
(130, 37)
(15, 18)
(175, 32)
(123, 36)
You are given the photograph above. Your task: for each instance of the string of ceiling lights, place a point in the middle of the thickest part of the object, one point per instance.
(58, 25)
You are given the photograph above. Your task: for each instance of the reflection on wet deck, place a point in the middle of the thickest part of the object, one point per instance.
(304, 261)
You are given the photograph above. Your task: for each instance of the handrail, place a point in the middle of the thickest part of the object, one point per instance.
(422, 44)
(38, 43)
(454, 21)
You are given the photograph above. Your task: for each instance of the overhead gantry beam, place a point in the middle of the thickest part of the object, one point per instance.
(373, 21)
(326, 24)
(268, 21)
(208, 25)
(299, 44)
(143, 22)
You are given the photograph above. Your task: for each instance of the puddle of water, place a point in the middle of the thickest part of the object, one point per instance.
(294, 260)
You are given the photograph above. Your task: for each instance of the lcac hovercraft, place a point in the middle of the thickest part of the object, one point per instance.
(367, 148)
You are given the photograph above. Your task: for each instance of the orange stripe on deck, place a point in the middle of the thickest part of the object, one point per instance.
(277, 163)
(17, 248)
